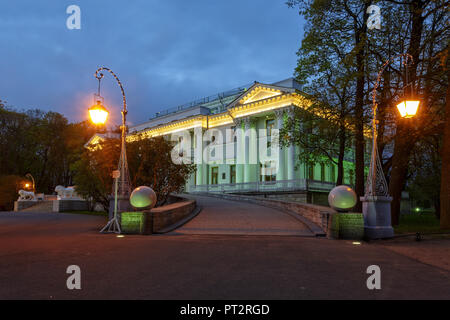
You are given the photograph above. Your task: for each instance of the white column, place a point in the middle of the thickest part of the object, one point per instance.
(291, 151)
(198, 155)
(251, 151)
(281, 158)
(240, 153)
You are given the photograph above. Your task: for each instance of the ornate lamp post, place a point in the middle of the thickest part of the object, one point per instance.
(376, 200)
(28, 175)
(122, 189)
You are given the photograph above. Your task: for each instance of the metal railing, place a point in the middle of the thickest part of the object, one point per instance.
(201, 101)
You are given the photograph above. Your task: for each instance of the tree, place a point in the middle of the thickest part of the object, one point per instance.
(424, 39)
(339, 27)
(9, 188)
(42, 143)
(149, 162)
(424, 174)
(357, 12)
(323, 130)
(93, 179)
(445, 177)
(418, 27)
(322, 135)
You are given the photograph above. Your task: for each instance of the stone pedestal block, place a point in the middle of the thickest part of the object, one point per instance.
(123, 204)
(377, 217)
(137, 222)
(351, 226)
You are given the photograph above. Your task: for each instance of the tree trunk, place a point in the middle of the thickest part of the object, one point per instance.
(403, 145)
(340, 165)
(402, 150)
(360, 39)
(445, 176)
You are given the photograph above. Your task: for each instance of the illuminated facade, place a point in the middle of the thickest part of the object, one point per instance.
(225, 136)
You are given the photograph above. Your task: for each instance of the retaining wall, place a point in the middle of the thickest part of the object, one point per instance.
(70, 205)
(20, 205)
(158, 220)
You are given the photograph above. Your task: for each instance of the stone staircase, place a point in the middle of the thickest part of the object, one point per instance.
(41, 206)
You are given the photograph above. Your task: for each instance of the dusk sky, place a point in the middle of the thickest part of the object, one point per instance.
(166, 53)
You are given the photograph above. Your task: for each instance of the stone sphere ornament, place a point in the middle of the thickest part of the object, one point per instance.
(342, 198)
(143, 197)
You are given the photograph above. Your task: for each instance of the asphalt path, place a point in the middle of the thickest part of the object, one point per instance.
(220, 217)
(37, 248)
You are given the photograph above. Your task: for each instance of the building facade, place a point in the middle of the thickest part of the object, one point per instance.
(233, 140)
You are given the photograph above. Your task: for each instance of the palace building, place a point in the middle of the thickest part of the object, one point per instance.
(233, 139)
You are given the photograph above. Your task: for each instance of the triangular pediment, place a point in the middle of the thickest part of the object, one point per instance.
(259, 93)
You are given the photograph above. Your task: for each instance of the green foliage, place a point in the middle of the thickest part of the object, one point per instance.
(41, 143)
(425, 175)
(93, 180)
(338, 63)
(9, 188)
(322, 138)
(418, 222)
(326, 68)
(149, 162)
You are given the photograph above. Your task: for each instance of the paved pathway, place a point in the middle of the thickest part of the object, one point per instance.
(219, 216)
(37, 248)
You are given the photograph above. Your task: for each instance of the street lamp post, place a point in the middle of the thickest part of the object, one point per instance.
(122, 185)
(376, 200)
(32, 180)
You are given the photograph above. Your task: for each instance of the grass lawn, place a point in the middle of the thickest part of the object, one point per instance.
(418, 222)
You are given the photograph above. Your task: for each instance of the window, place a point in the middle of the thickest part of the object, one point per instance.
(333, 173)
(311, 172)
(214, 175)
(233, 173)
(233, 136)
(322, 172)
(270, 124)
(268, 172)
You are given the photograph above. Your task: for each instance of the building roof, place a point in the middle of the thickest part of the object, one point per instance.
(220, 109)
(211, 105)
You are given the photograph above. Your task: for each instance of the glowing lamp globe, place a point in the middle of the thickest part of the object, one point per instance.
(408, 108)
(342, 198)
(98, 113)
(143, 197)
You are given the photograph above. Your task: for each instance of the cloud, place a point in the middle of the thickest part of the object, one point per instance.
(165, 52)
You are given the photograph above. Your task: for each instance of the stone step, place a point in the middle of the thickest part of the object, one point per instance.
(41, 206)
